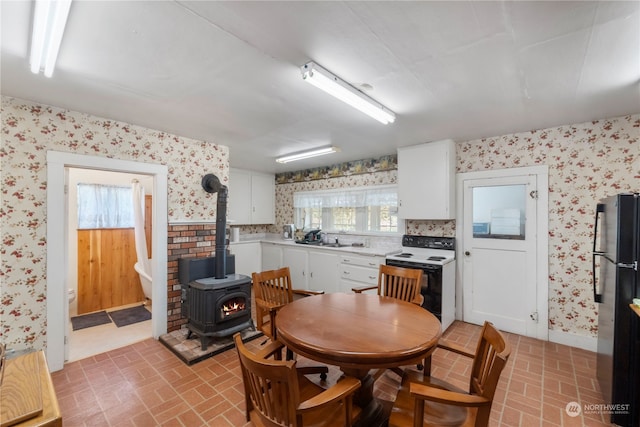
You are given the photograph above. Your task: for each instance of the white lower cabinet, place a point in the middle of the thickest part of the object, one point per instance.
(358, 271)
(247, 257)
(312, 269)
(296, 259)
(271, 256)
(323, 271)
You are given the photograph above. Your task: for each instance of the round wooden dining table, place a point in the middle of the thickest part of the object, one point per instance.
(359, 332)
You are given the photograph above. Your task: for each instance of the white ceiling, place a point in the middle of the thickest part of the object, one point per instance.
(228, 72)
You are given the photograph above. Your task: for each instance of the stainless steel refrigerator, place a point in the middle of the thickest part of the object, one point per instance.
(617, 249)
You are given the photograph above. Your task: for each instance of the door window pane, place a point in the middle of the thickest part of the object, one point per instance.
(499, 212)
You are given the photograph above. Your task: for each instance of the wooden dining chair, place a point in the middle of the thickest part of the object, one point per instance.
(400, 283)
(278, 394)
(273, 290)
(447, 404)
(397, 282)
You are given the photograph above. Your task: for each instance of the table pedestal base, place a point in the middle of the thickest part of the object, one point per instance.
(375, 412)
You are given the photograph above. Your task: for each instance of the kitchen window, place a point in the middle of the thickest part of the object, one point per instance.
(351, 210)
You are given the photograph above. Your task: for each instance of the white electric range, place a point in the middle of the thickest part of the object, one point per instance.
(435, 256)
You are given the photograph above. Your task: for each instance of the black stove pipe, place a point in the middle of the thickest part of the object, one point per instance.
(211, 184)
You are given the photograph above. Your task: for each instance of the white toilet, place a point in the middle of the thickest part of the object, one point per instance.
(72, 295)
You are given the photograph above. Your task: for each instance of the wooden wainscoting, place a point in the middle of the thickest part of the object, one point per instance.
(106, 277)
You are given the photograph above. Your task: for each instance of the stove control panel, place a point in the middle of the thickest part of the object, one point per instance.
(429, 242)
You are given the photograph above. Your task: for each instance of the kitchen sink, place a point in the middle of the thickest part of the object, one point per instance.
(321, 243)
(333, 245)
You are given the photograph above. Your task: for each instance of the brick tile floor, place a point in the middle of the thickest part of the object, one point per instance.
(144, 384)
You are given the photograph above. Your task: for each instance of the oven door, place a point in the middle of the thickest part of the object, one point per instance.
(431, 286)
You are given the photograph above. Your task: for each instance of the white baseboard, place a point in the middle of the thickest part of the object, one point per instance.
(573, 340)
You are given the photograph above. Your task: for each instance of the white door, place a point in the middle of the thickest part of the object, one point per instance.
(501, 261)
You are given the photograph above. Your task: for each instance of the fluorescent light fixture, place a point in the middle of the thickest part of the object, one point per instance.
(333, 85)
(49, 20)
(307, 154)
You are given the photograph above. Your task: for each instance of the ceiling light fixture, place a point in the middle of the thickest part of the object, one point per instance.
(333, 85)
(307, 154)
(49, 20)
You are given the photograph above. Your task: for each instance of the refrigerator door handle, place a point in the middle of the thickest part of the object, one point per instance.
(633, 265)
(599, 209)
(596, 296)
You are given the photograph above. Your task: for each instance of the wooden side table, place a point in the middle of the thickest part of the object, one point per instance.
(28, 397)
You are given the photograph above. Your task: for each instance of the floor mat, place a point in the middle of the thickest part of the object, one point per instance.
(89, 320)
(190, 350)
(129, 316)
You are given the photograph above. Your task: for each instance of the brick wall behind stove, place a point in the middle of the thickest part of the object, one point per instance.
(187, 240)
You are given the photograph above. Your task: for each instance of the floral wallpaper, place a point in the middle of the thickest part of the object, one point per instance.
(30, 130)
(587, 162)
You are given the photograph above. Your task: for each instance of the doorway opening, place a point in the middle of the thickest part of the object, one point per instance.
(101, 276)
(58, 165)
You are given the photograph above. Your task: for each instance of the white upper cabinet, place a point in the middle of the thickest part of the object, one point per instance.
(239, 196)
(426, 181)
(251, 197)
(263, 197)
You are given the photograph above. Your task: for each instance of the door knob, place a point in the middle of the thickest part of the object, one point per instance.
(467, 253)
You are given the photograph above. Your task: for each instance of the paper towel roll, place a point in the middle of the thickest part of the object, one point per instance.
(235, 234)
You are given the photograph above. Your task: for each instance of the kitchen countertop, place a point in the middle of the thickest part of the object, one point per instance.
(359, 250)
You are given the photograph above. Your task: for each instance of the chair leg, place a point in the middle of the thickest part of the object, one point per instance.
(378, 373)
(398, 371)
(426, 369)
(277, 355)
(322, 370)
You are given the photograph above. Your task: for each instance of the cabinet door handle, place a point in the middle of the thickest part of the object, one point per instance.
(347, 260)
(373, 264)
(346, 272)
(372, 277)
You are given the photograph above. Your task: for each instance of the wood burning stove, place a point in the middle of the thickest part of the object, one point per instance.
(215, 300)
(219, 307)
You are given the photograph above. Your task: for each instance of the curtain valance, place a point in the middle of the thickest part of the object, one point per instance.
(382, 195)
